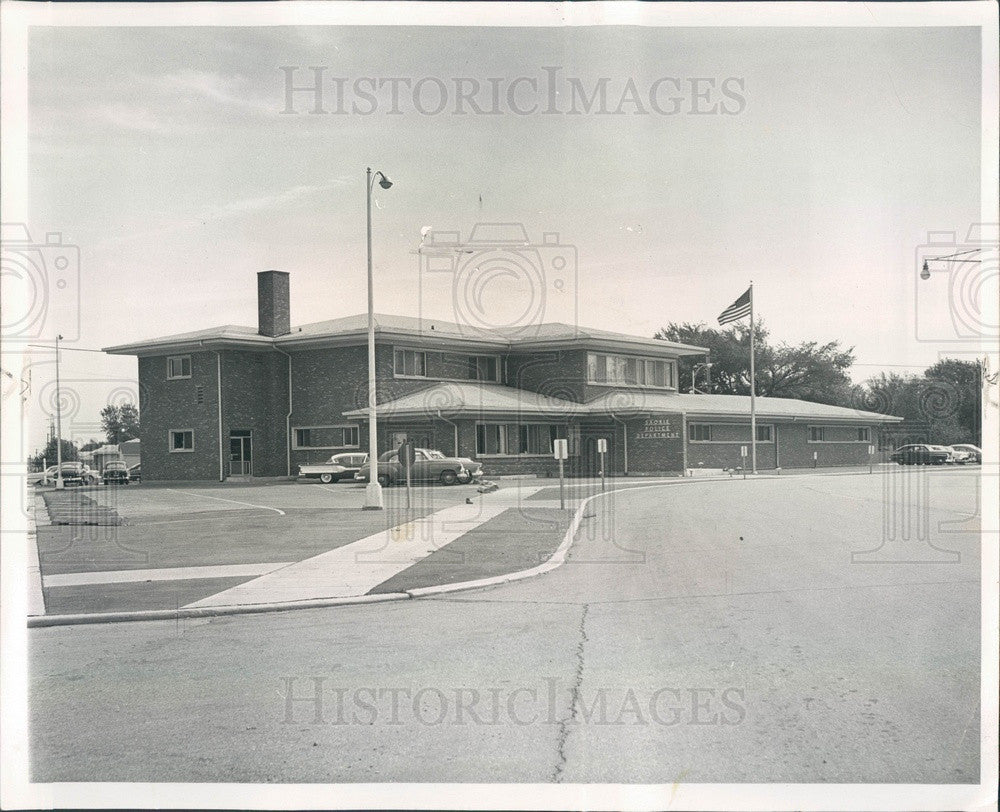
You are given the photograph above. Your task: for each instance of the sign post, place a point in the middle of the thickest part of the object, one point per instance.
(407, 455)
(815, 458)
(871, 454)
(602, 449)
(560, 450)
(743, 454)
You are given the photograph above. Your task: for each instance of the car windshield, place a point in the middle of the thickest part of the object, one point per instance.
(432, 455)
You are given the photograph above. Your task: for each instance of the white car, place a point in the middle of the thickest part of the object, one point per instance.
(338, 467)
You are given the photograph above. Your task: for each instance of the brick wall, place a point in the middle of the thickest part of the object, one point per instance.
(655, 444)
(173, 404)
(561, 374)
(795, 450)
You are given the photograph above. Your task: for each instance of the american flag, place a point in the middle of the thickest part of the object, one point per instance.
(737, 310)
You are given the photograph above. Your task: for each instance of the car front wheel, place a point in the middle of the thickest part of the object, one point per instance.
(448, 478)
(384, 480)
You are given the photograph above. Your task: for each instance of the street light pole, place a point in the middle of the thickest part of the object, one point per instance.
(373, 491)
(59, 477)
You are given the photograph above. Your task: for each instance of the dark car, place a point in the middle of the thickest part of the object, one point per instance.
(115, 473)
(920, 454)
(135, 473)
(73, 473)
(428, 466)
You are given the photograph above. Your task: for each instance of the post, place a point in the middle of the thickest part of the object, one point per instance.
(373, 491)
(753, 390)
(815, 458)
(560, 450)
(871, 453)
(602, 448)
(743, 460)
(59, 477)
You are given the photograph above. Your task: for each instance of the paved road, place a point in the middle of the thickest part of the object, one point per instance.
(701, 631)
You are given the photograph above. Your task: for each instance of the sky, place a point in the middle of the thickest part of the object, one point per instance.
(167, 156)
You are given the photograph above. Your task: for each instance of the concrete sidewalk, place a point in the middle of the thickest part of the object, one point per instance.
(355, 569)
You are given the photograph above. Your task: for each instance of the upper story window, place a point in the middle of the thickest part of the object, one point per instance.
(627, 370)
(864, 435)
(178, 366)
(817, 434)
(411, 363)
(484, 368)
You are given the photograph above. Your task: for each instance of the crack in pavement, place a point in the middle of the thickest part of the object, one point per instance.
(563, 733)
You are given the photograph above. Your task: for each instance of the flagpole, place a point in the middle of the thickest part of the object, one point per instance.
(753, 391)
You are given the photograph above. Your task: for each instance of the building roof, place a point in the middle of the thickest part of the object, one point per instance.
(476, 399)
(354, 329)
(473, 397)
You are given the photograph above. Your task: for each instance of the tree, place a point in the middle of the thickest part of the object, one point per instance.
(120, 423)
(91, 444)
(48, 454)
(946, 401)
(808, 371)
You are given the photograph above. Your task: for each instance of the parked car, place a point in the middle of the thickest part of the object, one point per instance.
(73, 473)
(338, 467)
(975, 452)
(428, 466)
(957, 456)
(135, 473)
(115, 473)
(920, 454)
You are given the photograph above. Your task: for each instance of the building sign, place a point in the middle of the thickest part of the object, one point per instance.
(657, 428)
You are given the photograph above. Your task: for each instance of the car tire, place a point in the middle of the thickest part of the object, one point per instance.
(448, 478)
(384, 480)
(326, 479)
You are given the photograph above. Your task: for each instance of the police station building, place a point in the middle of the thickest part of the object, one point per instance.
(235, 401)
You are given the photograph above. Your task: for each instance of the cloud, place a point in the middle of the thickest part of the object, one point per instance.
(231, 91)
(277, 201)
(129, 118)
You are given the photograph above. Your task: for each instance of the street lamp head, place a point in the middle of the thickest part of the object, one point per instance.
(384, 182)
(925, 272)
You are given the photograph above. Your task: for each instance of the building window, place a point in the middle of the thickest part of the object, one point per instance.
(483, 368)
(626, 370)
(700, 433)
(728, 433)
(178, 366)
(816, 434)
(181, 440)
(864, 435)
(512, 439)
(199, 394)
(410, 363)
(325, 437)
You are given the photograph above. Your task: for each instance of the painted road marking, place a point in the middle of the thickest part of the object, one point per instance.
(356, 568)
(231, 501)
(164, 574)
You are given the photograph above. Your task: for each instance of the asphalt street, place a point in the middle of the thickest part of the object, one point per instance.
(802, 629)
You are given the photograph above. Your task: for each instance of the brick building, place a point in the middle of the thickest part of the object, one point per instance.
(236, 401)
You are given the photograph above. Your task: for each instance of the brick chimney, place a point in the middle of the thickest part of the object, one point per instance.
(273, 313)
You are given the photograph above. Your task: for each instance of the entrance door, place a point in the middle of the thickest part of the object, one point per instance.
(241, 453)
(591, 459)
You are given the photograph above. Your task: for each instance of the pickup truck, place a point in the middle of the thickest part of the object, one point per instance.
(338, 467)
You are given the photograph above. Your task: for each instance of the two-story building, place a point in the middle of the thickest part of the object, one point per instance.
(235, 401)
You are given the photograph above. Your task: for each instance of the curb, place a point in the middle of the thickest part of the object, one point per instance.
(557, 559)
(37, 621)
